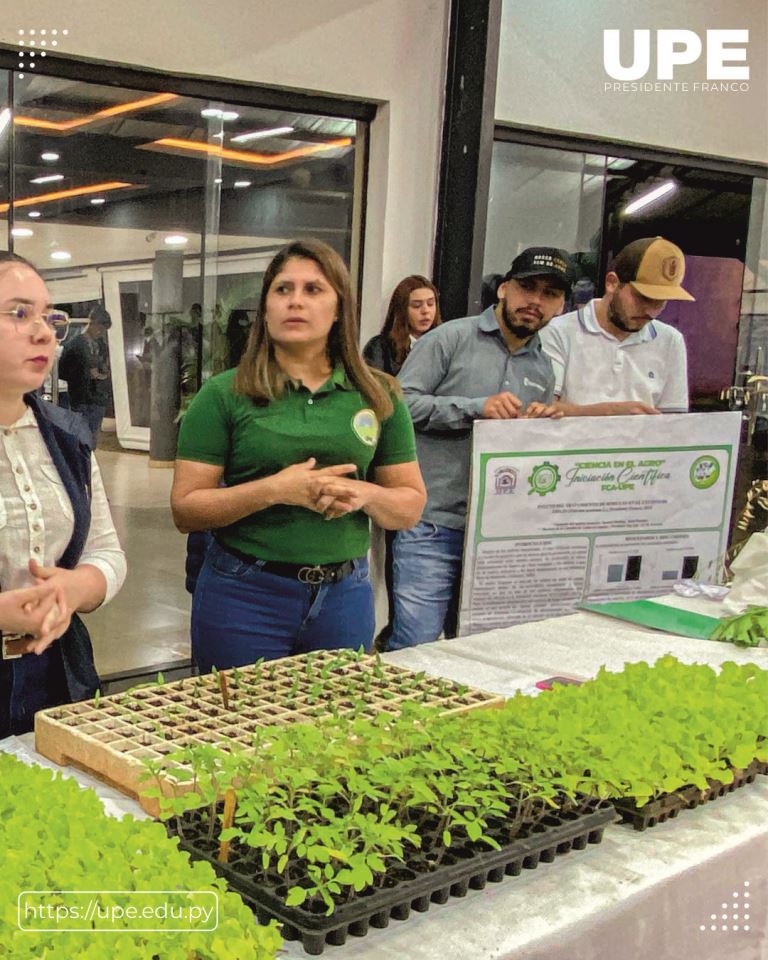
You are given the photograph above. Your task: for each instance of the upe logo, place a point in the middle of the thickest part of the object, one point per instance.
(676, 48)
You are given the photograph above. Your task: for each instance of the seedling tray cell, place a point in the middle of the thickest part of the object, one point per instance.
(463, 868)
(112, 737)
(669, 805)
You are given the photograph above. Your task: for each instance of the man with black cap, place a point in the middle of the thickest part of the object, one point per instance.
(613, 356)
(489, 366)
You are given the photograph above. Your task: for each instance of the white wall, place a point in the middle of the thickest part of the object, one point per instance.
(391, 51)
(551, 75)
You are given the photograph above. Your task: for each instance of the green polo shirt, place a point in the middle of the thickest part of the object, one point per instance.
(335, 425)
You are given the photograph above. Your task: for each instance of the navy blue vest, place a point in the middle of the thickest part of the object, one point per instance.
(67, 438)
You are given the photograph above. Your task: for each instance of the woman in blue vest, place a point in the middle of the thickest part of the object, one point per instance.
(59, 553)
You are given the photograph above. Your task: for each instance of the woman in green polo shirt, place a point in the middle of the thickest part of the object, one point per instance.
(286, 459)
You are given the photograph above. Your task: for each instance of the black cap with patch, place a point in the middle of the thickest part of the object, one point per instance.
(543, 262)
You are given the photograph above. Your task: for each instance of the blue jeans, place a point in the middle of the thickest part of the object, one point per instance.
(94, 414)
(240, 613)
(427, 581)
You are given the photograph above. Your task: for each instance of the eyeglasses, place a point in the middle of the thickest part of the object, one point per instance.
(24, 319)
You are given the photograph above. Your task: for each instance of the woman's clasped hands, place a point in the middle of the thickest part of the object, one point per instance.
(324, 490)
(39, 613)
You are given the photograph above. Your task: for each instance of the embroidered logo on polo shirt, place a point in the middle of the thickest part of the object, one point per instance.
(366, 426)
(651, 374)
(532, 383)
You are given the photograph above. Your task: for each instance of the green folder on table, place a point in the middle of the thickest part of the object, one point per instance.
(659, 616)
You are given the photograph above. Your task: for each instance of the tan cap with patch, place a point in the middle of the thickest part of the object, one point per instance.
(654, 267)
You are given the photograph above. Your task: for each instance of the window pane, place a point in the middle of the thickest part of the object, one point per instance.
(110, 181)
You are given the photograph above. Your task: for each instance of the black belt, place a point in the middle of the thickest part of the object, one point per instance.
(315, 573)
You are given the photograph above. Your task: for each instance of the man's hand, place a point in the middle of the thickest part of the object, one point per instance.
(625, 408)
(502, 406)
(537, 410)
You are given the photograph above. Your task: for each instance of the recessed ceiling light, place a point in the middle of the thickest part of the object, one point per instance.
(61, 255)
(49, 156)
(243, 183)
(34, 214)
(229, 115)
(260, 134)
(96, 201)
(22, 232)
(218, 180)
(49, 178)
(175, 240)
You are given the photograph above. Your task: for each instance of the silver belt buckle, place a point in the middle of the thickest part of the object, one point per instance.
(311, 574)
(8, 637)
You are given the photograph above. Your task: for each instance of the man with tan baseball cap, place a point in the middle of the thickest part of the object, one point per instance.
(614, 356)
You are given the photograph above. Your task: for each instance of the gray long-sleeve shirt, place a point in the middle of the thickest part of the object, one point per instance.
(447, 377)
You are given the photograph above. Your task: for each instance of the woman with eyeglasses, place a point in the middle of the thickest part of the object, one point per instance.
(59, 553)
(311, 444)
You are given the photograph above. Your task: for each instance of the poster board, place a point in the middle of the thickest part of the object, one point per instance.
(593, 509)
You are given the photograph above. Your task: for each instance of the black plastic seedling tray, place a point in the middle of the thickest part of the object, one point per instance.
(669, 805)
(462, 869)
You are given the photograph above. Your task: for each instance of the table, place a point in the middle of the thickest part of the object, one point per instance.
(649, 896)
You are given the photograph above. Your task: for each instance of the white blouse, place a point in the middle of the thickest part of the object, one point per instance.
(36, 516)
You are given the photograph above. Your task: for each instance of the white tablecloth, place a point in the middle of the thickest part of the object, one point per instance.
(636, 896)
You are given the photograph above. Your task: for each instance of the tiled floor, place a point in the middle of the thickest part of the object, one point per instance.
(148, 621)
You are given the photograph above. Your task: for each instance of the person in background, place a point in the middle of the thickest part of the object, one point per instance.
(614, 356)
(59, 553)
(84, 364)
(413, 310)
(311, 445)
(489, 366)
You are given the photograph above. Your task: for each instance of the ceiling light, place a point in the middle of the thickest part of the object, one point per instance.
(22, 232)
(243, 183)
(213, 113)
(243, 156)
(649, 197)
(49, 156)
(65, 194)
(5, 118)
(260, 134)
(48, 179)
(175, 240)
(115, 111)
(34, 213)
(97, 201)
(61, 255)
(218, 180)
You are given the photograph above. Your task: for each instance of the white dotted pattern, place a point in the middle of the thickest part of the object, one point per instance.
(40, 39)
(744, 895)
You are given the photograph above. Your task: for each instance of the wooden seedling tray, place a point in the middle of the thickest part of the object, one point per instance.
(112, 737)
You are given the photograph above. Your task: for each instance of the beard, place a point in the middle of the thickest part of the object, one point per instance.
(517, 328)
(619, 321)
